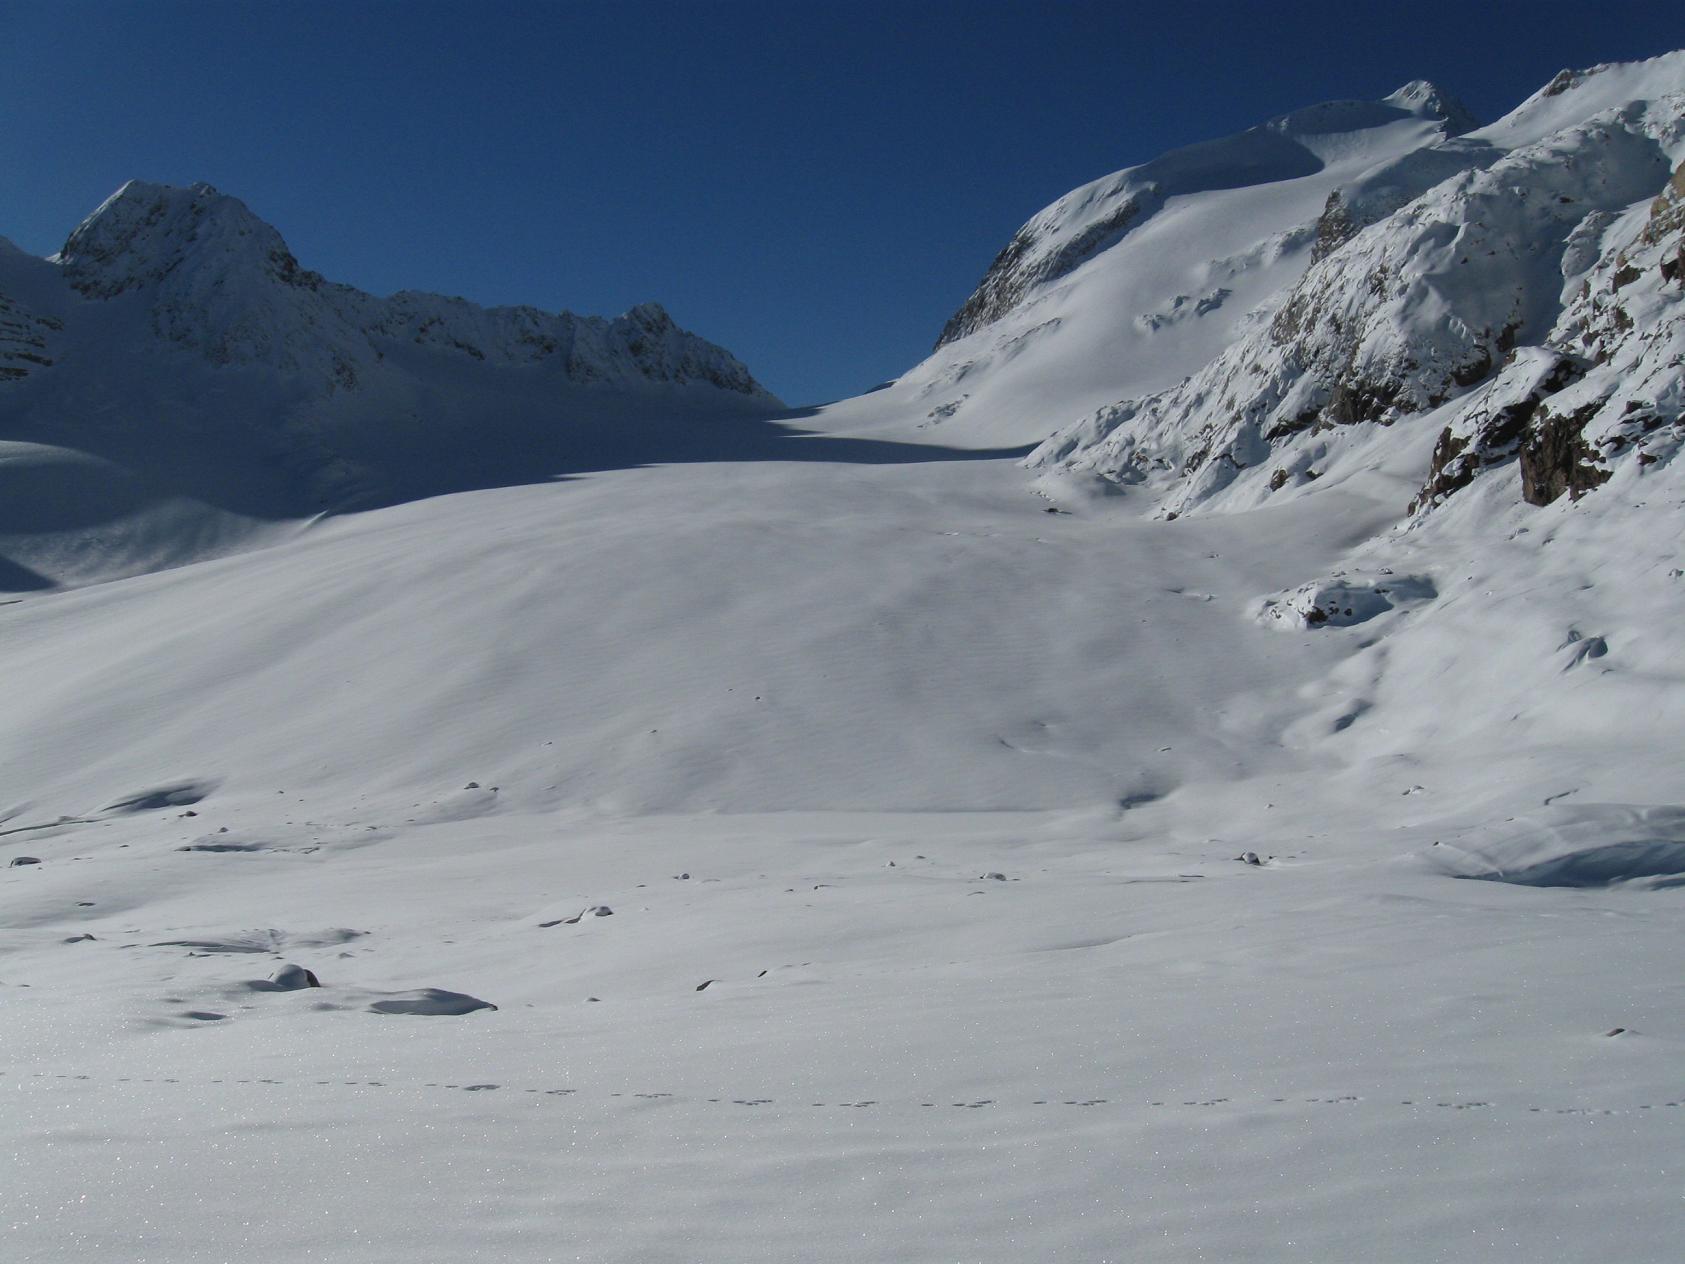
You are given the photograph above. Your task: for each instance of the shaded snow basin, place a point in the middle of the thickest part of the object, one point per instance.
(1597, 846)
(1651, 865)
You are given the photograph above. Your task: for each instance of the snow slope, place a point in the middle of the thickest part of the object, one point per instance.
(838, 697)
(758, 846)
(1135, 280)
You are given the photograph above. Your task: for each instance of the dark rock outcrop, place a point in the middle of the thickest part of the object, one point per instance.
(1557, 459)
(1491, 429)
(1016, 269)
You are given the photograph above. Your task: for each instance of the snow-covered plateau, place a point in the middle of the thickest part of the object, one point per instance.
(1190, 771)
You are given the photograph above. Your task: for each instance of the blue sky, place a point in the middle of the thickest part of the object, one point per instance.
(815, 186)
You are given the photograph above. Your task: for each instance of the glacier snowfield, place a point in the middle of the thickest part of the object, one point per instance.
(918, 813)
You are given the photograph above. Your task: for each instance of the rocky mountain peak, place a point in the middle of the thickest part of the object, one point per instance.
(1429, 100)
(144, 231)
(218, 280)
(651, 316)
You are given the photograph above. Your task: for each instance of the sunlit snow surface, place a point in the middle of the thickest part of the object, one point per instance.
(836, 695)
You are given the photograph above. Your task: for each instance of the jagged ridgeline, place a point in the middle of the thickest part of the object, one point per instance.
(220, 281)
(176, 351)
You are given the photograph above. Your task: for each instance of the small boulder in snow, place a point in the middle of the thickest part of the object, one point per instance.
(1341, 602)
(291, 978)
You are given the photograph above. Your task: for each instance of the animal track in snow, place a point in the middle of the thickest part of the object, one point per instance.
(984, 1103)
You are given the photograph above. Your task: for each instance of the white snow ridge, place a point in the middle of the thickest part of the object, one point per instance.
(1189, 771)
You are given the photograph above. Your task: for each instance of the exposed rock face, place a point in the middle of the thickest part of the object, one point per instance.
(1334, 227)
(1490, 429)
(23, 340)
(1563, 80)
(1528, 299)
(1020, 266)
(1667, 221)
(27, 337)
(1556, 459)
(1626, 320)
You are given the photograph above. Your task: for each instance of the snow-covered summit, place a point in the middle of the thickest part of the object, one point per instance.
(1132, 282)
(143, 232)
(1419, 96)
(1096, 216)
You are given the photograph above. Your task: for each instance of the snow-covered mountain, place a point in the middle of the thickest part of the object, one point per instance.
(1253, 831)
(173, 378)
(214, 278)
(1525, 307)
(1096, 217)
(1228, 324)
(1133, 281)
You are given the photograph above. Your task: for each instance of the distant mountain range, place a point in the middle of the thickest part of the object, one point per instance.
(173, 381)
(1350, 287)
(198, 270)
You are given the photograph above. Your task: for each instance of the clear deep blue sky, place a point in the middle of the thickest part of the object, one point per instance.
(815, 186)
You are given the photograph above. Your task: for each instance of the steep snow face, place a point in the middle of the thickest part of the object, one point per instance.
(145, 232)
(1132, 282)
(1560, 245)
(1095, 217)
